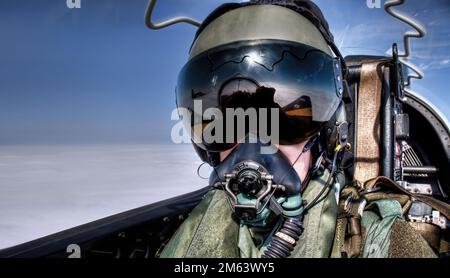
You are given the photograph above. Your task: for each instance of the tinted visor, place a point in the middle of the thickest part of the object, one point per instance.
(301, 82)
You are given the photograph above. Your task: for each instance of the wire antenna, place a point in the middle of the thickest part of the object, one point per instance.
(160, 25)
(418, 32)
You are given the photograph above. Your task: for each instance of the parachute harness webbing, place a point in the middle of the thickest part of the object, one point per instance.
(368, 122)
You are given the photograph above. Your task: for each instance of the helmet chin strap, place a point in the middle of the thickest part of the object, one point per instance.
(308, 146)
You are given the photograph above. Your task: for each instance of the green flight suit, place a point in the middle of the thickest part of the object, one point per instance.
(212, 231)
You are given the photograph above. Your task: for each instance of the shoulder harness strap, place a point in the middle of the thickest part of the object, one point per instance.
(356, 196)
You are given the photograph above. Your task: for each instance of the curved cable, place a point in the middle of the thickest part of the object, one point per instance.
(418, 32)
(327, 185)
(160, 25)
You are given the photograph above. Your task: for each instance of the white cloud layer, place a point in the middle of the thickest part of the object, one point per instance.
(46, 189)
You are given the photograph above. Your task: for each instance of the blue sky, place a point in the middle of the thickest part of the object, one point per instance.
(98, 75)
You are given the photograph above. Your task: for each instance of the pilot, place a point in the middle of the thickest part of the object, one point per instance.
(280, 192)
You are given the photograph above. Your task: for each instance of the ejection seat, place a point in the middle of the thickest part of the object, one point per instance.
(394, 133)
(397, 134)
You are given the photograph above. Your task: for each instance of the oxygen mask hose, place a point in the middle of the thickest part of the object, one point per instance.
(284, 241)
